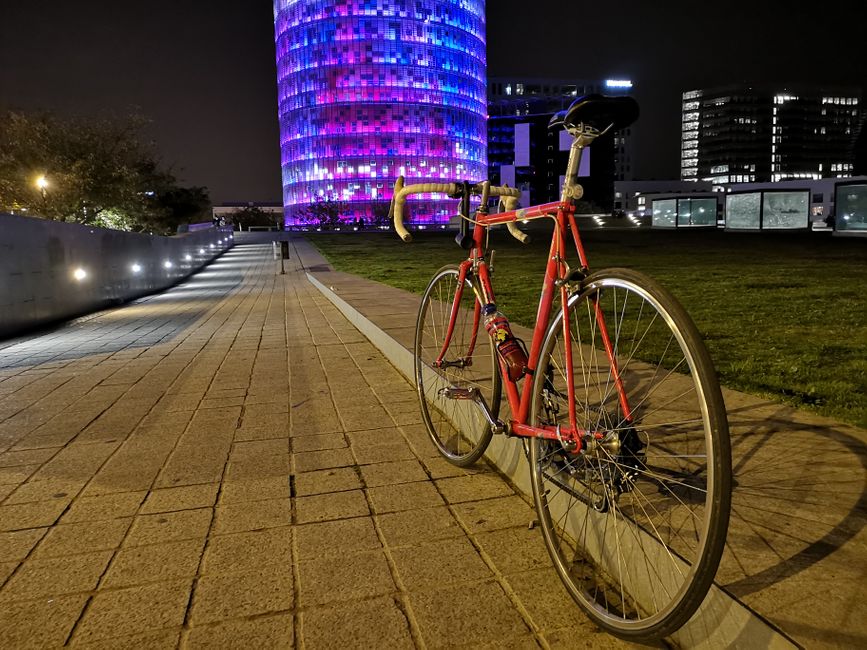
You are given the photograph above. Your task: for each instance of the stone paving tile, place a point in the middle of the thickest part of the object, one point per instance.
(335, 505)
(274, 487)
(548, 605)
(258, 433)
(391, 473)
(377, 623)
(496, 513)
(411, 527)
(134, 610)
(77, 461)
(441, 563)
(45, 490)
(383, 453)
(473, 488)
(336, 538)
(372, 437)
(468, 614)
(28, 457)
(257, 468)
(318, 442)
(252, 515)
(159, 640)
(169, 527)
(313, 460)
(6, 490)
(15, 545)
(274, 632)
(6, 570)
(277, 422)
(406, 496)
(358, 576)
(244, 552)
(39, 623)
(312, 418)
(67, 539)
(31, 515)
(41, 578)
(259, 591)
(515, 549)
(327, 480)
(153, 563)
(16, 474)
(110, 506)
(187, 497)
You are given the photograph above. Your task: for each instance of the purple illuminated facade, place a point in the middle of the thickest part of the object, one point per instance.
(372, 89)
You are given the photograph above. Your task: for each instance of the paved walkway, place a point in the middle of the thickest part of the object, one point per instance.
(231, 464)
(797, 545)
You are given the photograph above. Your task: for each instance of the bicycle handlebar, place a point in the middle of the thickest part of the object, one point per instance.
(510, 196)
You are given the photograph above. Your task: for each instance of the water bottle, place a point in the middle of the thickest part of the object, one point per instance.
(507, 345)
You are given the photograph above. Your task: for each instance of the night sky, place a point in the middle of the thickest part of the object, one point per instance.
(203, 70)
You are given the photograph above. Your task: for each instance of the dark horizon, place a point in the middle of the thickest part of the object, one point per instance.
(206, 76)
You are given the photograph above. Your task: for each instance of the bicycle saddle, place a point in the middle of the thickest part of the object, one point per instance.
(598, 111)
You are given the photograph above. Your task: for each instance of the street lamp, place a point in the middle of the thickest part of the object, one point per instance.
(42, 183)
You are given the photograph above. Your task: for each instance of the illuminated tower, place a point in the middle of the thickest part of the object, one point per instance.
(372, 89)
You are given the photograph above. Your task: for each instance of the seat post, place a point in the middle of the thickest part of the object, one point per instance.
(571, 188)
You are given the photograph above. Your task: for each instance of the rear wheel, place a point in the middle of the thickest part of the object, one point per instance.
(636, 522)
(456, 426)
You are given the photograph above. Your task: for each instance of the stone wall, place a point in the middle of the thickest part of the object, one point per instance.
(50, 271)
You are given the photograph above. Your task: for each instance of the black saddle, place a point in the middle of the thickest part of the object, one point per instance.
(597, 111)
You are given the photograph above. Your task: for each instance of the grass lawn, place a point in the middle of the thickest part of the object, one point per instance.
(784, 315)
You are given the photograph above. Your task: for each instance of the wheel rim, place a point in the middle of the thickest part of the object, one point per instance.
(457, 427)
(633, 525)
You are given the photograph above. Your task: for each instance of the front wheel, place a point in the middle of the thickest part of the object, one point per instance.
(635, 522)
(456, 425)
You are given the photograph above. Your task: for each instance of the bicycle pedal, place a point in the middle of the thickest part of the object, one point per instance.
(453, 392)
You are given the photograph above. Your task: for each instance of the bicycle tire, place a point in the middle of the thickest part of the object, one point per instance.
(636, 524)
(457, 428)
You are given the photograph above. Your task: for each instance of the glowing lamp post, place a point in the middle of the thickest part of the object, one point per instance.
(41, 184)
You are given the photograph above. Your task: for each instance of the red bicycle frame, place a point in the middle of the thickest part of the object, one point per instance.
(555, 280)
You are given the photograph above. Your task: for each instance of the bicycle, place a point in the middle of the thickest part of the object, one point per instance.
(616, 402)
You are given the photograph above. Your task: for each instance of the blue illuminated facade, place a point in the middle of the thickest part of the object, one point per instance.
(372, 89)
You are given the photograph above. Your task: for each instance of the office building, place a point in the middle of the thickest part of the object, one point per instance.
(746, 134)
(369, 90)
(523, 153)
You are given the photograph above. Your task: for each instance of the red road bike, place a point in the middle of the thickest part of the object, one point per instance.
(615, 398)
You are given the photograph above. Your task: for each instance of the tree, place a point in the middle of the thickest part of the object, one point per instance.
(381, 215)
(253, 215)
(180, 205)
(96, 171)
(324, 212)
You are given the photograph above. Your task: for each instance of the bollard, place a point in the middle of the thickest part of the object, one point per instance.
(284, 255)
